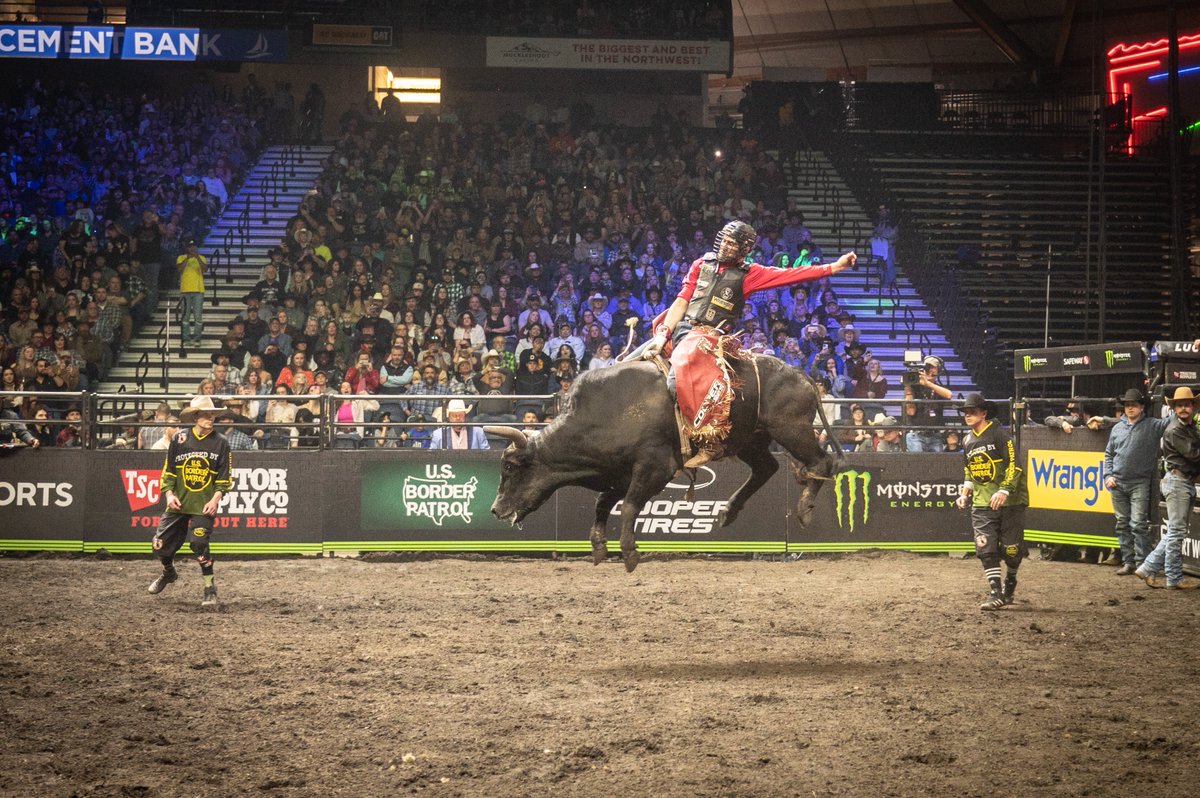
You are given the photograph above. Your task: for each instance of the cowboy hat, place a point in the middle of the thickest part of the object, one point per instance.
(456, 406)
(883, 420)
(198, 405)
(1133, 395)
(975, 401)
(1183, 394)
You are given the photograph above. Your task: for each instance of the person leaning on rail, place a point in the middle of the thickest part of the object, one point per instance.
(1181, 467)
(1129, 465)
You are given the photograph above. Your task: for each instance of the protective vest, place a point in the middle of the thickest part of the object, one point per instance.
(718, 300)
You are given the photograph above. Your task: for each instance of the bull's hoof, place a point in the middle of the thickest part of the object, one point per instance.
(726, 517)
(804, 517)
(599, 552)
(632, 558)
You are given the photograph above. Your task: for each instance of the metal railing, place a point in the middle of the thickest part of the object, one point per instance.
(957, 314)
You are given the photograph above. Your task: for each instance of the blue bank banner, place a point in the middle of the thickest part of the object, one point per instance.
(82, 42)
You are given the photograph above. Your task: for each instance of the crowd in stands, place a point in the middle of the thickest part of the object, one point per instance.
(449, 257)
(98, 190)
(441, 257)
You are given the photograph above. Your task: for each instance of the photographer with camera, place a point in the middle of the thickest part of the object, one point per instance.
(921, 385)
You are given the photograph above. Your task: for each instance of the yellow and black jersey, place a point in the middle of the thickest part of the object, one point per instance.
(992, 466)
(196, 468)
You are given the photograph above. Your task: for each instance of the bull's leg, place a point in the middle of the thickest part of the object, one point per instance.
(763, 466)
(815, 467)
(604, 504)
(648, 478)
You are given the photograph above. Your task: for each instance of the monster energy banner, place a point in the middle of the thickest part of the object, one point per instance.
(1067, 361)
(889, 501)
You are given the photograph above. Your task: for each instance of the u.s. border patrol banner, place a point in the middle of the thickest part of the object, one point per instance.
(433, 500)
(657, 54)
(83, 42)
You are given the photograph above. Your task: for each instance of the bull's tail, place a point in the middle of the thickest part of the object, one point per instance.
(838, 452)
(631, 323)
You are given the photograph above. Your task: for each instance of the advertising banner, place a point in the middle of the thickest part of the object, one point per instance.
(81, 42)
(274, 506)
(663, 54)
(1067, 480)
(351, 35)
(435, 500)
(887, 501)
(1068, 502)
(42, 499)
(671, 521)
(1118, 358)
(1191, 541)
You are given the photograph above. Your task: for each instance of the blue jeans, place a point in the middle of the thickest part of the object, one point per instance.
(1131, 506)
(1180, 496)
(193, 309)
(922, 441)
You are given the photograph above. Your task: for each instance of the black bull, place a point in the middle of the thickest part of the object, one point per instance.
(618, 436)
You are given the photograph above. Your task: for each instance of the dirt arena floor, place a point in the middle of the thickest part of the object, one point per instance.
(863, 675)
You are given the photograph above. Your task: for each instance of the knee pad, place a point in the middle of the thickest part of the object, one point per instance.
(1013, 555)
(198, 543)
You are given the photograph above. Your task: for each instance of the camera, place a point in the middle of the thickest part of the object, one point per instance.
(915, 364)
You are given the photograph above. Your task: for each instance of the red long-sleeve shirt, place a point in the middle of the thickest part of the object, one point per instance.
(759, 277)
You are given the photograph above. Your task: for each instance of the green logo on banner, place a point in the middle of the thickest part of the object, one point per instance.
(846, 486)
(427, 495)
(1108, 358)
(1028, 363)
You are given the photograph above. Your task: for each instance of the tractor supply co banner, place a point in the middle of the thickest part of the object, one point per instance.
(275, 505)
(541, 53)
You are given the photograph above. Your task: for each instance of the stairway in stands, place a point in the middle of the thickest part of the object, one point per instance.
(891, 323)
(271, 193)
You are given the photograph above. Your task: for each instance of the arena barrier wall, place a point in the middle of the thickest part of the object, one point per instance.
(315, 502)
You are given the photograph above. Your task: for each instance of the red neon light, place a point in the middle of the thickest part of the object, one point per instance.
(1129, 51)
(1112, 73)
(1151, 114)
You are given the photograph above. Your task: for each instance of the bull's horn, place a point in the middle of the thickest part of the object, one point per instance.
(511, 433)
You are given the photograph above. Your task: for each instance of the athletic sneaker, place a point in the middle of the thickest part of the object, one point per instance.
(210, 597)
(164, 579)
(995, 601)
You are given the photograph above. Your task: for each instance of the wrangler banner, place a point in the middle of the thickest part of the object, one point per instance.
(1068, 502)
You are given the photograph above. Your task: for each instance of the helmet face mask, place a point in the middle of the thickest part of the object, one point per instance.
(734, 242)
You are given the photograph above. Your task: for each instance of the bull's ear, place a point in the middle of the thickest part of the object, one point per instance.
(510, 433)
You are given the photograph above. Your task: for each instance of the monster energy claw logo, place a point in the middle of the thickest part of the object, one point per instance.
(846, 488)
(1108, 358)
(1028, 363)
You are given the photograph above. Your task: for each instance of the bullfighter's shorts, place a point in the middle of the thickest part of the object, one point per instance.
(175, 528)
(999, 533)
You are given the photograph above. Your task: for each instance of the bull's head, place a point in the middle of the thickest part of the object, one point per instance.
(525, 481)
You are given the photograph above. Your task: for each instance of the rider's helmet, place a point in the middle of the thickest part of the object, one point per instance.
(740, 234)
